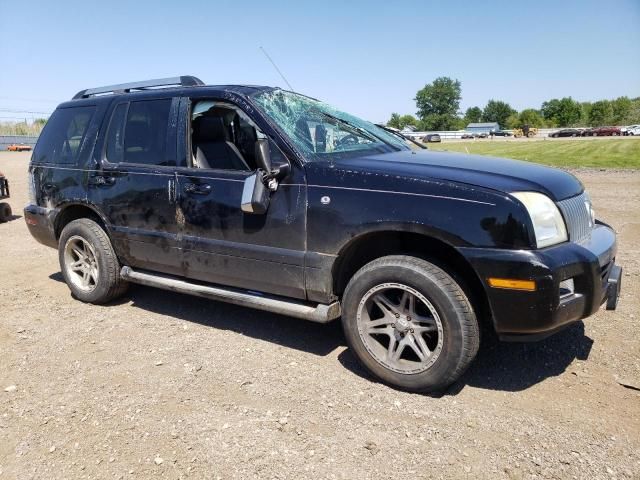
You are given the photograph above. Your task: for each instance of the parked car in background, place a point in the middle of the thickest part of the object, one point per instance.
(19, 147)
(602, 132)
(431, 138)
(501, 133)
(474, 135)
(631, 130)
(567, 132)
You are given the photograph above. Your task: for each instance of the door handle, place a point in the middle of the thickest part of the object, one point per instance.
(197, 189)
(102, 181)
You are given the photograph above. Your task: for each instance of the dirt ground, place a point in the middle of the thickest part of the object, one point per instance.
(165, 385)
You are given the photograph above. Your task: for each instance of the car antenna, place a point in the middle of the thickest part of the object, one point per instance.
(277, 69)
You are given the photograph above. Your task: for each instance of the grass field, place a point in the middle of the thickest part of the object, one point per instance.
(597, 153)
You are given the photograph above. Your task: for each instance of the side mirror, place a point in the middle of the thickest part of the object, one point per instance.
(263, 154)
(255, 194)
(265, 162)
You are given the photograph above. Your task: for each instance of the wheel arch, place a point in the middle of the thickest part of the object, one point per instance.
(371, 245)
(74, 211)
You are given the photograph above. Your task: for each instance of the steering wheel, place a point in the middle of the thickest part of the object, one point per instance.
(350, 139)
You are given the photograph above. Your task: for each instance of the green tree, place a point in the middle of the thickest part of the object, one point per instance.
(497, 111)
(472, 115)
(406, 120)
(531, 117)
(439, 122)
(621, 107)
(601, 113)
(512, 122)
(634, 115)
(563, 113)
(394, 121)
(585, 108)
(438, 104)
(401, 121)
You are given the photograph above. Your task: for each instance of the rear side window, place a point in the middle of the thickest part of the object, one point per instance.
(138, 134)
(63, 136)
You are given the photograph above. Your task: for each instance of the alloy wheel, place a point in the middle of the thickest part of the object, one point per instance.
(80, 263)
(400, 328)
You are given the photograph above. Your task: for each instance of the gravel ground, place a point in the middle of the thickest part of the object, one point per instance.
(165, 385)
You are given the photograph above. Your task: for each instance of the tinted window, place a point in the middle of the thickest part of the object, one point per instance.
(145, 133)
(62, 137)
(115, 136)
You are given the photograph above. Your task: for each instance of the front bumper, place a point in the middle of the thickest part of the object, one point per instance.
(533, 315)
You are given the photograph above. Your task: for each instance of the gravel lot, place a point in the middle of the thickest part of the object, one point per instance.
(165, 385)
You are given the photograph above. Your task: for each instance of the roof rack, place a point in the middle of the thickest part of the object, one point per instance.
(183, 81)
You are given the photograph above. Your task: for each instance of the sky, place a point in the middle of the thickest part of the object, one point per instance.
(368, 58)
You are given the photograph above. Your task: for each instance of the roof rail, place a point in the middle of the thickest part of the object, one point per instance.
(183, 81)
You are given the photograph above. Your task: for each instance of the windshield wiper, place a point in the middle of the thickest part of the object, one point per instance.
(366, 133)
(399, 134)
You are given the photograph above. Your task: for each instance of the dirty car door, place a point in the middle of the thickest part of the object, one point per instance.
(135, 185)
(224, 245)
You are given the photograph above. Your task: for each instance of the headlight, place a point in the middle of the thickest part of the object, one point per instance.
(591, 211)
(548, 223)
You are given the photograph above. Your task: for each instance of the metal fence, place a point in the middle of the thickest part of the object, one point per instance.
(453, 134)
(6, 140)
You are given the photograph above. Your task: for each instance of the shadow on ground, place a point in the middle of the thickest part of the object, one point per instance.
(12, 218)
(511, 367)
(286, 331)
(499, 366)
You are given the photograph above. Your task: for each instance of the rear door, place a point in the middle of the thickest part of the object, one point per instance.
(135, 183)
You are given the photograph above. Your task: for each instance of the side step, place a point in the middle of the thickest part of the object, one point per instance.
(316, 313)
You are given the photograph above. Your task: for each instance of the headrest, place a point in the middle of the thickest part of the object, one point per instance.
(210, 129)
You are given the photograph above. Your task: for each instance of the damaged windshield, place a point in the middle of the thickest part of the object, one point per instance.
(321, 131)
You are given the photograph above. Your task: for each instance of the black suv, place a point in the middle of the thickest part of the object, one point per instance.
(274, 200)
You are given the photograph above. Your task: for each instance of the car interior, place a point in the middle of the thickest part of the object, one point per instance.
(222, 137)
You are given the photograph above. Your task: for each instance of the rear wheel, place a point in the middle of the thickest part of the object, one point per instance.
(5, 212)
(88, 263)
(409, 323)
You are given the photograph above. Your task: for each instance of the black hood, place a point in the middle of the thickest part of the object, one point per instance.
(489, 172)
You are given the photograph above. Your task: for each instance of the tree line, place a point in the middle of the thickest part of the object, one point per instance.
(438, 106)
(23, 128)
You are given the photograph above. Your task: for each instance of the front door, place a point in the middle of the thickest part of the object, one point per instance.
(136, 184)
(221, 243)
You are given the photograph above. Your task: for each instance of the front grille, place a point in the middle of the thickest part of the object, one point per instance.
(577, 217)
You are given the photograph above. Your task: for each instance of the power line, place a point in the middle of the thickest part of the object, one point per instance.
(8, 110)
(40, 100)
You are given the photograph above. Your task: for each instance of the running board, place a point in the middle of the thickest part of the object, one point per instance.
(319, 313)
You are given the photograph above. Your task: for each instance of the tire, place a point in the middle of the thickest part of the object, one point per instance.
(88, 263)
(5, 212)
(448, 327)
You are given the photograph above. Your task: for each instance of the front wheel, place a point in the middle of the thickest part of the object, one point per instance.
(409, 323)
(88, 263)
